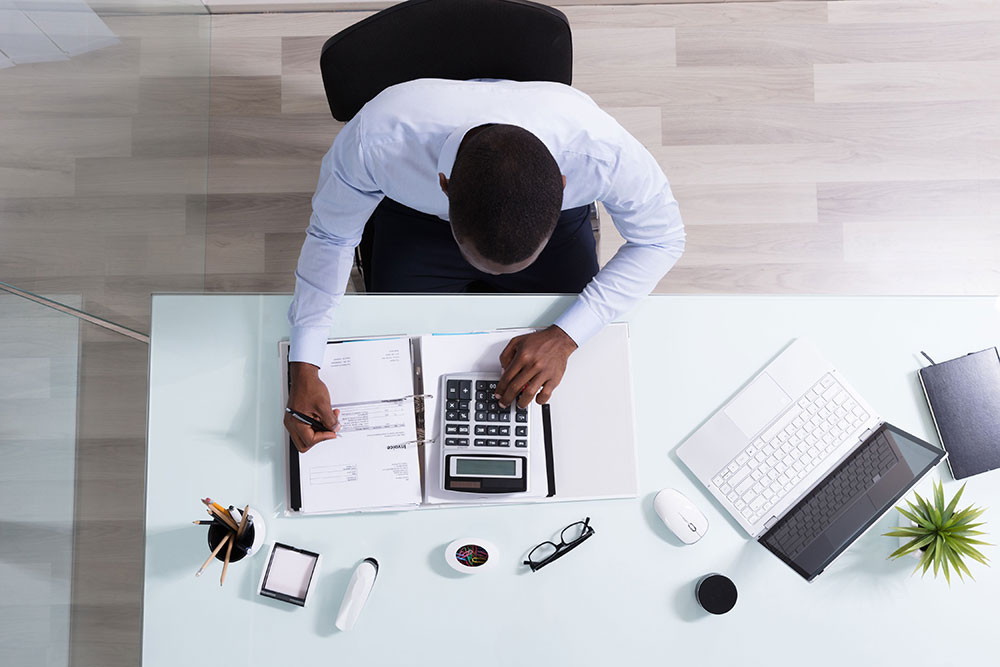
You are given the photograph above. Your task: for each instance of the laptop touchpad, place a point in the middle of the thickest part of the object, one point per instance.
(756, 405)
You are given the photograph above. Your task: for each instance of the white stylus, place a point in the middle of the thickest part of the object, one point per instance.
(357, 593)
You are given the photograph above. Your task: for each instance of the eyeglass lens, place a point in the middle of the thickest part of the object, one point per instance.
(573, 532)
(542, 551)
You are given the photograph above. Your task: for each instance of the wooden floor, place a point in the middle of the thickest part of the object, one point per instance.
(845, 147)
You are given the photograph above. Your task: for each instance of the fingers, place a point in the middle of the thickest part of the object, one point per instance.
(304, 437)
(516, 385)
(329, 417)
(529, 391)
(509, 352)
(546, 393)
(510, 365)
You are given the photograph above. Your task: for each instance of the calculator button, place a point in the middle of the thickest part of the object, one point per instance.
(463, 416)
(491, 430)
(451, 405)
(463, 429)
(456, 442)
(505, 416)
(451, 415)
(521, 416)
(503, 443)
(463, 405)
(491, 443)
(480, 395)
(521, 431)
(452, 388)
(481, 406)
(480, 430)
(520, 443)
(504, 430)
(491, 387)
(482, 385)
(451, 429)
(491, 416)
(480, 416)
(465, 389)
(492, 406)
(479, 442)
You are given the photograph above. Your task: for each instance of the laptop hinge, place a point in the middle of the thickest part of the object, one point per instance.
(770, 522)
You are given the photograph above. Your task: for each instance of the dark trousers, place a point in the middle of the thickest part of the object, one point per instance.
(415, 252)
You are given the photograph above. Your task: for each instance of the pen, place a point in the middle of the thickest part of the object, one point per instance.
(306, 419)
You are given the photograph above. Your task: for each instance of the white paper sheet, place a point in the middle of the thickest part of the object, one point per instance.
(373, 461)
(594, 458)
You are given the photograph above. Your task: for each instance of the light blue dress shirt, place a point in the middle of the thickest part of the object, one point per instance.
(399, 142)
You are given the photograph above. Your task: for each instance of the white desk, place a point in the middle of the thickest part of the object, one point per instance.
(626, 594)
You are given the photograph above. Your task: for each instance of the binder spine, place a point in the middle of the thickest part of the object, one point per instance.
(294, 481)
(550, 467)
(294, 484)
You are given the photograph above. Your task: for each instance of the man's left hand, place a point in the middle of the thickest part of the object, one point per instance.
(533, 364)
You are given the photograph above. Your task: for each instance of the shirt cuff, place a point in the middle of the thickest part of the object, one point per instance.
(308, 344)
(579, 322)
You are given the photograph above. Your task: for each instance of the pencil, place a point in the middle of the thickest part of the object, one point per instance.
(226, 521)
(212, 555)
(214, 509)
(225, 563)
(243, 524)
(206, 523)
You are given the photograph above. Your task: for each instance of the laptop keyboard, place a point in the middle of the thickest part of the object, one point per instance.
(859, 473)
(799, 441)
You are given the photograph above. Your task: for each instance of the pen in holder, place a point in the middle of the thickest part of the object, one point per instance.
(249, 542)
(232, 535)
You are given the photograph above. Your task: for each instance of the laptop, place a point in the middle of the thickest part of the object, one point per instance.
(801, 461)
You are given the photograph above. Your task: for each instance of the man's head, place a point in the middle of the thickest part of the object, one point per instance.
(504, 197)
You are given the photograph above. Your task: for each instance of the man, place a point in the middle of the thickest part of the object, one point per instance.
(481, 182)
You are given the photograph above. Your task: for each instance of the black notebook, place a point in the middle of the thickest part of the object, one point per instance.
(964, 397)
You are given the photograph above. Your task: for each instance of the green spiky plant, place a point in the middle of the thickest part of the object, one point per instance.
(947, 537)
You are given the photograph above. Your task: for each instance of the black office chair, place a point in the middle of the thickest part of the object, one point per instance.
(442, 39)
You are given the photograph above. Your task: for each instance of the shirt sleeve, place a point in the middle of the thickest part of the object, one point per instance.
(345, 198)
(646, 214)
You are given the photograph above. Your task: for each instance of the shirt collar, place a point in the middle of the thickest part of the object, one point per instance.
(449, 151)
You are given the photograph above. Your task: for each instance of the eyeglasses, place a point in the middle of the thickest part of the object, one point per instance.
(570, 538)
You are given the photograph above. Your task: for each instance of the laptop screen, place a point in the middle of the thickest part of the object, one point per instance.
(850, 499)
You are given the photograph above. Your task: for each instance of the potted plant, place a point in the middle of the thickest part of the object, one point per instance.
(945, 536)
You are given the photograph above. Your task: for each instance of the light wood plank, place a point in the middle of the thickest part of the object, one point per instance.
(238, 55)
(911, 202)
(698, 85)
(747, 204)
(928, 122)
(257, 175)
(816, 278)
(908, 82)
(941, 243)
(129, 176)
(783, 45)
(914, 11)
(634, 15)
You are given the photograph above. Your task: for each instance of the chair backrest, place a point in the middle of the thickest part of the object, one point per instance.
(445, 39)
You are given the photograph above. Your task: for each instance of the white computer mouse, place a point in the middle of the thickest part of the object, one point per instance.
(680, 515)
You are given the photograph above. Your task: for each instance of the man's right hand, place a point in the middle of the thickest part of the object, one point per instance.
(309, 396)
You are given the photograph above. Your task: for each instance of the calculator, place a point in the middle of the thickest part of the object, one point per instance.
(484, 447)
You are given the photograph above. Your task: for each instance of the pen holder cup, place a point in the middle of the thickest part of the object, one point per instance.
(249, 544)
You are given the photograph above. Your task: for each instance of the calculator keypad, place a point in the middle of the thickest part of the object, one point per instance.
(470, 405)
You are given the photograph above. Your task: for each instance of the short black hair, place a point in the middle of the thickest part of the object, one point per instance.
(505, 193)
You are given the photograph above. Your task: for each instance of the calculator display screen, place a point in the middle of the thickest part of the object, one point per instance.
(504, 467)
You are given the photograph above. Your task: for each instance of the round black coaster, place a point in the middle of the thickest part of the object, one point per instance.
(716, 593)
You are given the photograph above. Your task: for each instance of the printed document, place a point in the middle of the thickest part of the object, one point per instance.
(373, 461)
